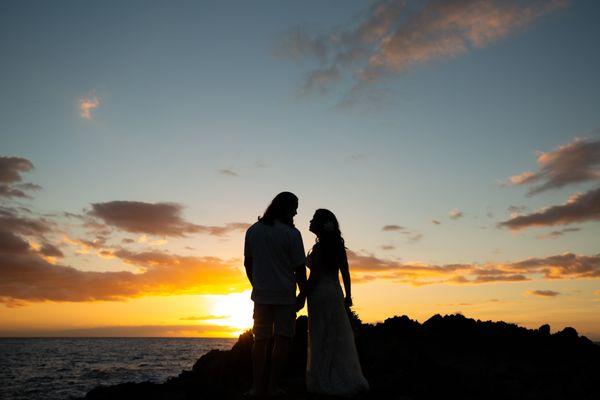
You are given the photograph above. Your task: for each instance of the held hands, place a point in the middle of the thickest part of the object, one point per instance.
(300, 300)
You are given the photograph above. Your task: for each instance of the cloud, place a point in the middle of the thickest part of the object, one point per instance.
(415, 237)
(392, 228)
(8, 191)
(12, 221)
(321, 80)
(567, 265)
(564, 266)
(387, 247)
(556, 234)
(11, 170)
(126, 331)
(88, 104)
(155, 219)
(435, 222)
(576, 162)
(516, 210)
(204, 317)
(543, 293)
(12, 244)
(580, 207)
(50, 250)
(356, 157)
(393, 36)
(412, 236)
(26, 276)
(228, 172)
(456, 214)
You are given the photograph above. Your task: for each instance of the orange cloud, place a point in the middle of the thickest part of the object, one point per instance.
(565, 266)
(204, 318)
(87, 105)
(27, 276)
(129, 331)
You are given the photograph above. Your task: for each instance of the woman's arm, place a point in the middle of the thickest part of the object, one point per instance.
(345, 270)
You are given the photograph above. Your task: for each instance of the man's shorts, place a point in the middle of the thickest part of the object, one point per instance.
(273, 319)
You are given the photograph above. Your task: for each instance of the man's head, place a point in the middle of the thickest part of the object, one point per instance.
(282, 208)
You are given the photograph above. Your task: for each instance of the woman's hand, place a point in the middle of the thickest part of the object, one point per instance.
(348, 301)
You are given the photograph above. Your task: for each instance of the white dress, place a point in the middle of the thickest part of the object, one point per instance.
(333, 367)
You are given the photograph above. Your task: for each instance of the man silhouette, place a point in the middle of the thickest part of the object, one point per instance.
(274, 261)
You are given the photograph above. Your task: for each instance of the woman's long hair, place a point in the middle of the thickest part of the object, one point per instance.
(279, 209)
(329, 238)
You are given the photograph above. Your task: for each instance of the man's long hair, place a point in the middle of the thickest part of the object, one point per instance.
(279, 209)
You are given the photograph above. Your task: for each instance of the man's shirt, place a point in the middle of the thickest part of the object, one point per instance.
(275, 251)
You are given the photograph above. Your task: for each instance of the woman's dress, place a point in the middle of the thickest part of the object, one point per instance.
(333, 366)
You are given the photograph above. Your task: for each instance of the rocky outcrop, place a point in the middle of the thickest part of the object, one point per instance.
(445, 357)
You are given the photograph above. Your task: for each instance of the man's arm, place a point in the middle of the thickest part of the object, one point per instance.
(248, 266)
(300, 274)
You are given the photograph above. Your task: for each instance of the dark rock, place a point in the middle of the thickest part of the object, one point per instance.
(447, 356)
(544, 330)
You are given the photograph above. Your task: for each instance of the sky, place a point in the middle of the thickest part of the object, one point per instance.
(458, 144)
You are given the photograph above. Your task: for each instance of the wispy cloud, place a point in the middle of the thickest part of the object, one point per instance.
(393, 36)
(543, 293)
(516, 210)
(576, 162)
(411, 235)
(580, 207)
(228, 172)
(87, 104)
(557, 234)
(392, 228)
(456, 214)
(11, 170)
(162, 219)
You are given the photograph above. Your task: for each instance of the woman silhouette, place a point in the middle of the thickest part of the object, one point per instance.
(333, 367)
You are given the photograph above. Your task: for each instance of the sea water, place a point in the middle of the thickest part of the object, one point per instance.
(63, 368)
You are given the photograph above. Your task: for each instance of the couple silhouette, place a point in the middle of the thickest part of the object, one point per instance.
(275, 264)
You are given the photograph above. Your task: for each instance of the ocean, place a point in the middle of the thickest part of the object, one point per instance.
(63, 368)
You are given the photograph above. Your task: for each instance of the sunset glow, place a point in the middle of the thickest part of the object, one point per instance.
(458, 144)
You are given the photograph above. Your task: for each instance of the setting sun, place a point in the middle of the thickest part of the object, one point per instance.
(232, 310)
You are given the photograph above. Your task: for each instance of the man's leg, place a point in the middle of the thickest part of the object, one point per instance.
(259, 359)
(284, 321)
(278, 359)
(262, 330)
